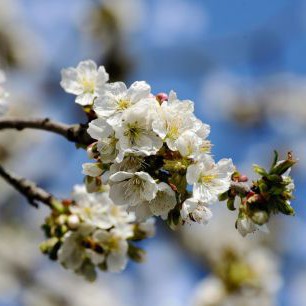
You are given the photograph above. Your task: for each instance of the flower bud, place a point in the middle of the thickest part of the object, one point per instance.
(92, 151)
(73, 222)
(136, 254)
(162, 97)
(243, 178)
(61, 219)
(260, 217)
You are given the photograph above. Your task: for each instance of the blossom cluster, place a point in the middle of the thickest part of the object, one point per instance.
(91, 232)
(3, 95)
(249, 281)
(242, 271)
(150, 149)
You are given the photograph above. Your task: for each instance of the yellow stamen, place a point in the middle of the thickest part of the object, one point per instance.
(88, 85)
(205, 179)
(123, 104)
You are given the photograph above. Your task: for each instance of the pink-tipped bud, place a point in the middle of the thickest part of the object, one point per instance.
(243, 178)
(162, 97)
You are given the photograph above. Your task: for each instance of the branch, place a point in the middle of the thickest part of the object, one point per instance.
(29, 189)
(76, 133)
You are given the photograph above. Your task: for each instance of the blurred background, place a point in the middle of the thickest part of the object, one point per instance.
(243, 64)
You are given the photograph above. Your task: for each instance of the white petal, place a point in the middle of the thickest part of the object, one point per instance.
(193, 174)
(121, 176)
(142, 211)
(87, 67)
(188, 207)
(164, 201)
(102, 78)
(116, 262)
(118, 196)
(91, 169)
(70, 81)
(139, 90)
(85, 99)
(99, 129)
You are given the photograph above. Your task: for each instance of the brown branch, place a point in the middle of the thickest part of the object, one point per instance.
(29, 189)
(76, 133)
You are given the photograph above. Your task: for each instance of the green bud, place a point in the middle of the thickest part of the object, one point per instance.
(53, 251)
(274, 178)
(47, 245)
(231, 204)
(179, 181)
(263, 187)
(259, 170)
(88, 271)
(136, 254)
(285, 208)
(174, 219)
(223, 196)
(260, 217)
(283, 167)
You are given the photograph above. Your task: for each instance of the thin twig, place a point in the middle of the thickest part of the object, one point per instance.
(76, 133)
(29, 189)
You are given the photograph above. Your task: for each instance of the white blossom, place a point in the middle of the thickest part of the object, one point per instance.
(208, 178)
(100, 130)
(210, 292)
(72, 253)
(147, 227)
(163, 202)
(246, 226)
(117, 98)
(99, 233)
(85, 81)
(98, 209)
(116, 248)
(176, 117)
(130, 163)
(135, 132)
(189, 144)
(256, 285)
(195, 210)
(132, 188)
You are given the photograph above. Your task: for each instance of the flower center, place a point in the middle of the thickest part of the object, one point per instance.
(207, 178)
(88, 212)
(88, 85)
(112, 244)
(173, 129)
(123, 104)
(133, 132)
